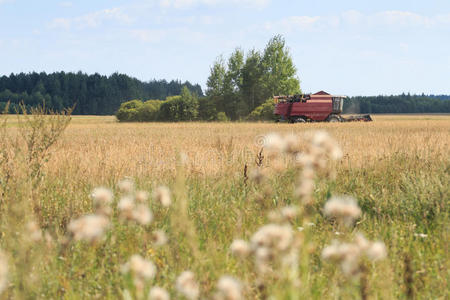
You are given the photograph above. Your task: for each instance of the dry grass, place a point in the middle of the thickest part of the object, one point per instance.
(397, 167)
(95, 147)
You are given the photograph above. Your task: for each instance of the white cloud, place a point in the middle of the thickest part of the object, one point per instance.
(65, 4)
(392, 19)
(159, 35)
(184, 4)
(401, 18)
(91, 20)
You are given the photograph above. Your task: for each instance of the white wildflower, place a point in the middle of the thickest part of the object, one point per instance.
(162, 195)
(89, 228)
(157, 293)
(228, 288)
(187, 285)
(345, 209)
(159, 238)
(126, 206)
(142, 267)
(240, 248)
(102, 196)
(141, 196)
(274, 142)
(102, 199)
(126, 186)
(4, 270)
(141, 270)
(274, 236)
(142, 214)
(376, 251)
(289, 212)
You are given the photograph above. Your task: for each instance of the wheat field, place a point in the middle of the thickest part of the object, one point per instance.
(225, 185)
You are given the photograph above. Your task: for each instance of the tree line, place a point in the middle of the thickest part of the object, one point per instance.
(239, 88)
(89, 94)
(404, 103)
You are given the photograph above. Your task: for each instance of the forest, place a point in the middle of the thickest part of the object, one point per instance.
(90, 94)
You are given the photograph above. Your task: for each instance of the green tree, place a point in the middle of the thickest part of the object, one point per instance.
(278, 69)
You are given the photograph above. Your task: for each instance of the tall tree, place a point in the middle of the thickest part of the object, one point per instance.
(279, 72)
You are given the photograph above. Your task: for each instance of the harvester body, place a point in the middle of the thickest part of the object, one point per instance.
(316, 107)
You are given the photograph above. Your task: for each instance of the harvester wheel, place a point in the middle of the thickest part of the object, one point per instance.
(333, 119)
(298, 120)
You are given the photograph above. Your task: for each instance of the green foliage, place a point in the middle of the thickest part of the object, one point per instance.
(90, 94)
(130, 111)
(206, 109)
(264, 112)
(397, 104)
(244, 83)
(179, 108)
(222, 117)
(149, 110)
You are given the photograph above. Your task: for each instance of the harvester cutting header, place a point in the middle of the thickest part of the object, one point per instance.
(318, 107)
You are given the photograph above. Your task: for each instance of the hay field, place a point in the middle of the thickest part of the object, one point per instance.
(397, 168)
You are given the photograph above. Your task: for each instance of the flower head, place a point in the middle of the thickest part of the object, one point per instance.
(228, 288)
(240, 248)
(162, 195)
(157, 293)
(102, 199)
(90, 228)
(126, 186)
(4, 270)
(345, 209)
(187, 285)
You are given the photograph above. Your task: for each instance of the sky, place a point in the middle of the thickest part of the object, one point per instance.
(348, 47)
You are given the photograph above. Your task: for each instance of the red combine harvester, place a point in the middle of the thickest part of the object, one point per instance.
(318, 107)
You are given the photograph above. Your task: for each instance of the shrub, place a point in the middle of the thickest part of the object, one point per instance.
(263, 112)
(149, 110)
(129, 111)
(179, 108)
(222, 117)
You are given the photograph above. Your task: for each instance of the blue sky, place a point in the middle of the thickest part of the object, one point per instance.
(345, 47)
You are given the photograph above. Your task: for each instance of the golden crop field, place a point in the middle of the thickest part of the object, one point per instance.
(395, 168)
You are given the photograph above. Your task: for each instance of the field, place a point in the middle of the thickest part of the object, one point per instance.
(223, 188)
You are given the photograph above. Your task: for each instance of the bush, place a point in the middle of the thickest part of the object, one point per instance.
(179, 108)
(222, 117)
(264, 112)
(129, 111)
(149, 110)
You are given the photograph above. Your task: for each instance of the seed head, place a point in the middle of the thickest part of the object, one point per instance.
(228, 288)
(4, 270)
(141, 196)
(162, 195)
(278, 237)
(90, 228)
(157, 293)
(240, 248)
(344, 209)
(187, 285)
(376, 251)
(274, 142)
(142, 214)
(140, 268)
(126, 206)
(159, 238)
(102, 196)
(126, 186)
